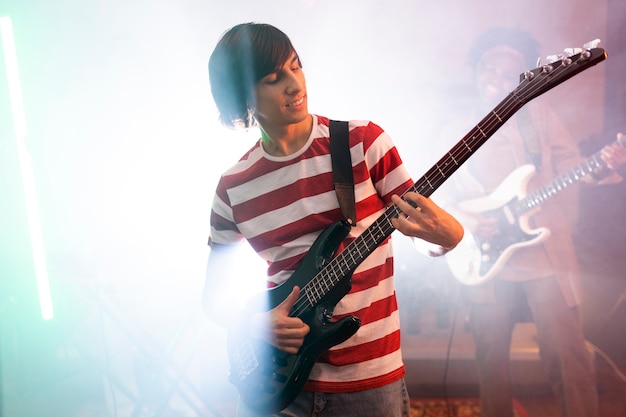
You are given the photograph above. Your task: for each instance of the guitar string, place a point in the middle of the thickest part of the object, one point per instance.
(558, 184)
(376, 233)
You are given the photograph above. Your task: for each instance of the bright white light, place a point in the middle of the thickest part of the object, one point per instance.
(28, 180)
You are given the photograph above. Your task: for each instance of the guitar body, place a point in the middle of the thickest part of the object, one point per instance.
(269, 379)
(477, 260)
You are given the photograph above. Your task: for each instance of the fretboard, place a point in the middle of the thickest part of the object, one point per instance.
(559, 184)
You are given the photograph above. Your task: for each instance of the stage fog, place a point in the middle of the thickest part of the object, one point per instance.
(125, 150)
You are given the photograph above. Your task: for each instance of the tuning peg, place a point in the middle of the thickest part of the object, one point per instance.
(592, 44)
(572, 51)
(569, 52)
(551, 59)
(539, 63)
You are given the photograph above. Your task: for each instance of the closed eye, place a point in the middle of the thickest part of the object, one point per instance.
(275, 77)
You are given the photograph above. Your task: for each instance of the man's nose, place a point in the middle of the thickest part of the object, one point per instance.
(295, 84)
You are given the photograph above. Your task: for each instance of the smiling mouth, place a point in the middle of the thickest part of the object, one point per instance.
(297, 102)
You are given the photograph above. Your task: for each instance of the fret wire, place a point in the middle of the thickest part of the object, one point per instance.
(562, 181)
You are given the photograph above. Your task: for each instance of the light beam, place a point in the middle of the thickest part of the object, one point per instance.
(28, 180)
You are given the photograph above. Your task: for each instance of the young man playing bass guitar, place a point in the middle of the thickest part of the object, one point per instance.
(280, 197)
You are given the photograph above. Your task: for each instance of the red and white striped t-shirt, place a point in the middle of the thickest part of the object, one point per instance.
(282, 204)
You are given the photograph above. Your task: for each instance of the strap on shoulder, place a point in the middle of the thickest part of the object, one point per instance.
(342, 169)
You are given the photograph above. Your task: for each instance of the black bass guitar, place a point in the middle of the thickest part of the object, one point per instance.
(476, 260)
(268, 379)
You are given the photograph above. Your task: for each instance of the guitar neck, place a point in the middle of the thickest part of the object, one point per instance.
(351, 257)
(532, 84)
(563, 181)
(560, 183)
(466, 147)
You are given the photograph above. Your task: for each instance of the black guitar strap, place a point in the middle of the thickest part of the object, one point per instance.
(342, 169)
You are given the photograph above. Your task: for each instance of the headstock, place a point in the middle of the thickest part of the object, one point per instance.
(558, 69)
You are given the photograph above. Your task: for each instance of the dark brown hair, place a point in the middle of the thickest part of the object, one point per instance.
(242, 57)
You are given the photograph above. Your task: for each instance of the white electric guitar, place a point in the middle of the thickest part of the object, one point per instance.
(477, 260)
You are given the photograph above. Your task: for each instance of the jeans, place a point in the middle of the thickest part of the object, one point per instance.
(391, 400)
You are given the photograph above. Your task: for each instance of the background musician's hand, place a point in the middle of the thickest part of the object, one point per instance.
(614, 155)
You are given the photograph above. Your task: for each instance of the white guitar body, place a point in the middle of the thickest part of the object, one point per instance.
(475, 260)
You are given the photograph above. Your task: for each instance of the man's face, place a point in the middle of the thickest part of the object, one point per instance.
(497, 74)
(281, 97)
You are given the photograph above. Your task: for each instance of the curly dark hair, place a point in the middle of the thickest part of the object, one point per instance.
(517, 39)
(242, 57)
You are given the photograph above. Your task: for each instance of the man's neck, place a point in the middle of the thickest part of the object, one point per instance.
(286, 140)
